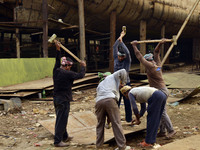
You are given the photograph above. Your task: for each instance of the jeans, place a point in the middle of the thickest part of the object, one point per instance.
(127, 105)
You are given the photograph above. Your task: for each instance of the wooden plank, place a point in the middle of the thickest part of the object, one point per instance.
(143, 31)
(19, 94)
(85, 79)
(194, 92)
(189, 143)
(46, 83)
(82, 126)
(31, 85)
(77, 87)
(84, 86)
(181, 80)
(8, 91)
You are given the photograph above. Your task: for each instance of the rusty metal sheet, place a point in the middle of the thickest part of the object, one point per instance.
(82, 126)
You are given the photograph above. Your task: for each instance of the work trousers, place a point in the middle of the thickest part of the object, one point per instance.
(156, 104)
(165, 123)
(62, 108)
(127, 105)
(108, 107)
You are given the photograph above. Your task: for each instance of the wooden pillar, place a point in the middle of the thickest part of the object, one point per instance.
(17, 35)
(17, 42)
(142, 46)
(112, 39)
(45, 27)
(162, 50)
(82, 29)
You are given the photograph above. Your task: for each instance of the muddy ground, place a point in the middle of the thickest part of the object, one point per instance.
(21, 130)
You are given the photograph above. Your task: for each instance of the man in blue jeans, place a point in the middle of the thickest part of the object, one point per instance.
(156, 100)
(122, 60)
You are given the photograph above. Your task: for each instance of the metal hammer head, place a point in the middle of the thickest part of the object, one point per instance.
(124, 29)
(52, 38)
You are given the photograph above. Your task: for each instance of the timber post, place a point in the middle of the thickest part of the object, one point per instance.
(112, 39)
(45, 27)
(82, 29)
(142, 46)
(162, 46)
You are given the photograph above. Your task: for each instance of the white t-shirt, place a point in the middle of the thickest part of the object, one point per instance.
(142, 94)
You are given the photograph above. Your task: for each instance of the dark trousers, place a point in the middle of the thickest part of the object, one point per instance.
(156, 104)
(62, 108)
(127, 105)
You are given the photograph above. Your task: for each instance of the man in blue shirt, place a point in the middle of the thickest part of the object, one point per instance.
(122, 60)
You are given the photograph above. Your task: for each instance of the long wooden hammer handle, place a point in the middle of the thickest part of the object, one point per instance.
(153, 41)
(68, 51)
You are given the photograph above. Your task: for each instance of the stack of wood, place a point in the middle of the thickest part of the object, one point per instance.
(46, 84)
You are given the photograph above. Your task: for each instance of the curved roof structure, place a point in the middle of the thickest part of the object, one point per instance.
(129, 12)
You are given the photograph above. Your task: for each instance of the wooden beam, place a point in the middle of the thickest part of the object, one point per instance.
(17, 42)
(162, 46)
(45, 27)
(82, 29)
(142, 46)
(112, 39)
(180, 31)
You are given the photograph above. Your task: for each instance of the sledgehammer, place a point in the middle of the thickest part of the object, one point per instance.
(51, 40)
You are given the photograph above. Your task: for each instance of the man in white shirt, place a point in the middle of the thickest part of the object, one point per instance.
(156, 103)
(106, 106)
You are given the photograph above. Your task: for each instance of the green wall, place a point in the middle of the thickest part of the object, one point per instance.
(21, 70)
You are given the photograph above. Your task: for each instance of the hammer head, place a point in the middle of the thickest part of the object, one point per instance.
(52, 38)
(124, 29)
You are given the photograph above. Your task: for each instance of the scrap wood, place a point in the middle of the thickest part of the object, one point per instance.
(193, 93)
(29, 88)
(41, 99)
(30, 85)
(18, 94)
(188, 143)
(85, 86)
(180, 80)
(82, 126)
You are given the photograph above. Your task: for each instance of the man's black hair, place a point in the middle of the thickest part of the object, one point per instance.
(69, 59)
(120, 49)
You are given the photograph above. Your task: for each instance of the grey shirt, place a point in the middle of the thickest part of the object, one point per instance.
(109, 87)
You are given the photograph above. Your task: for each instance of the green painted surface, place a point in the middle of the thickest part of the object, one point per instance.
(21, 70)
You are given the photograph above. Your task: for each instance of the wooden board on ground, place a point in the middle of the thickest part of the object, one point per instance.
(194, 92)
(173, 99)
(9, 91)
(18, 94)
(31, 85)
(82, 126)
(85, 86)
(189, 143)
(180, 80)
(89, 78)
(46, 83)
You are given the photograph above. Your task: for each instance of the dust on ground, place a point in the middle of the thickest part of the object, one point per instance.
(21, 130)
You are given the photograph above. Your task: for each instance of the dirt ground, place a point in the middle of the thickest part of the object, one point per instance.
(21, 130)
